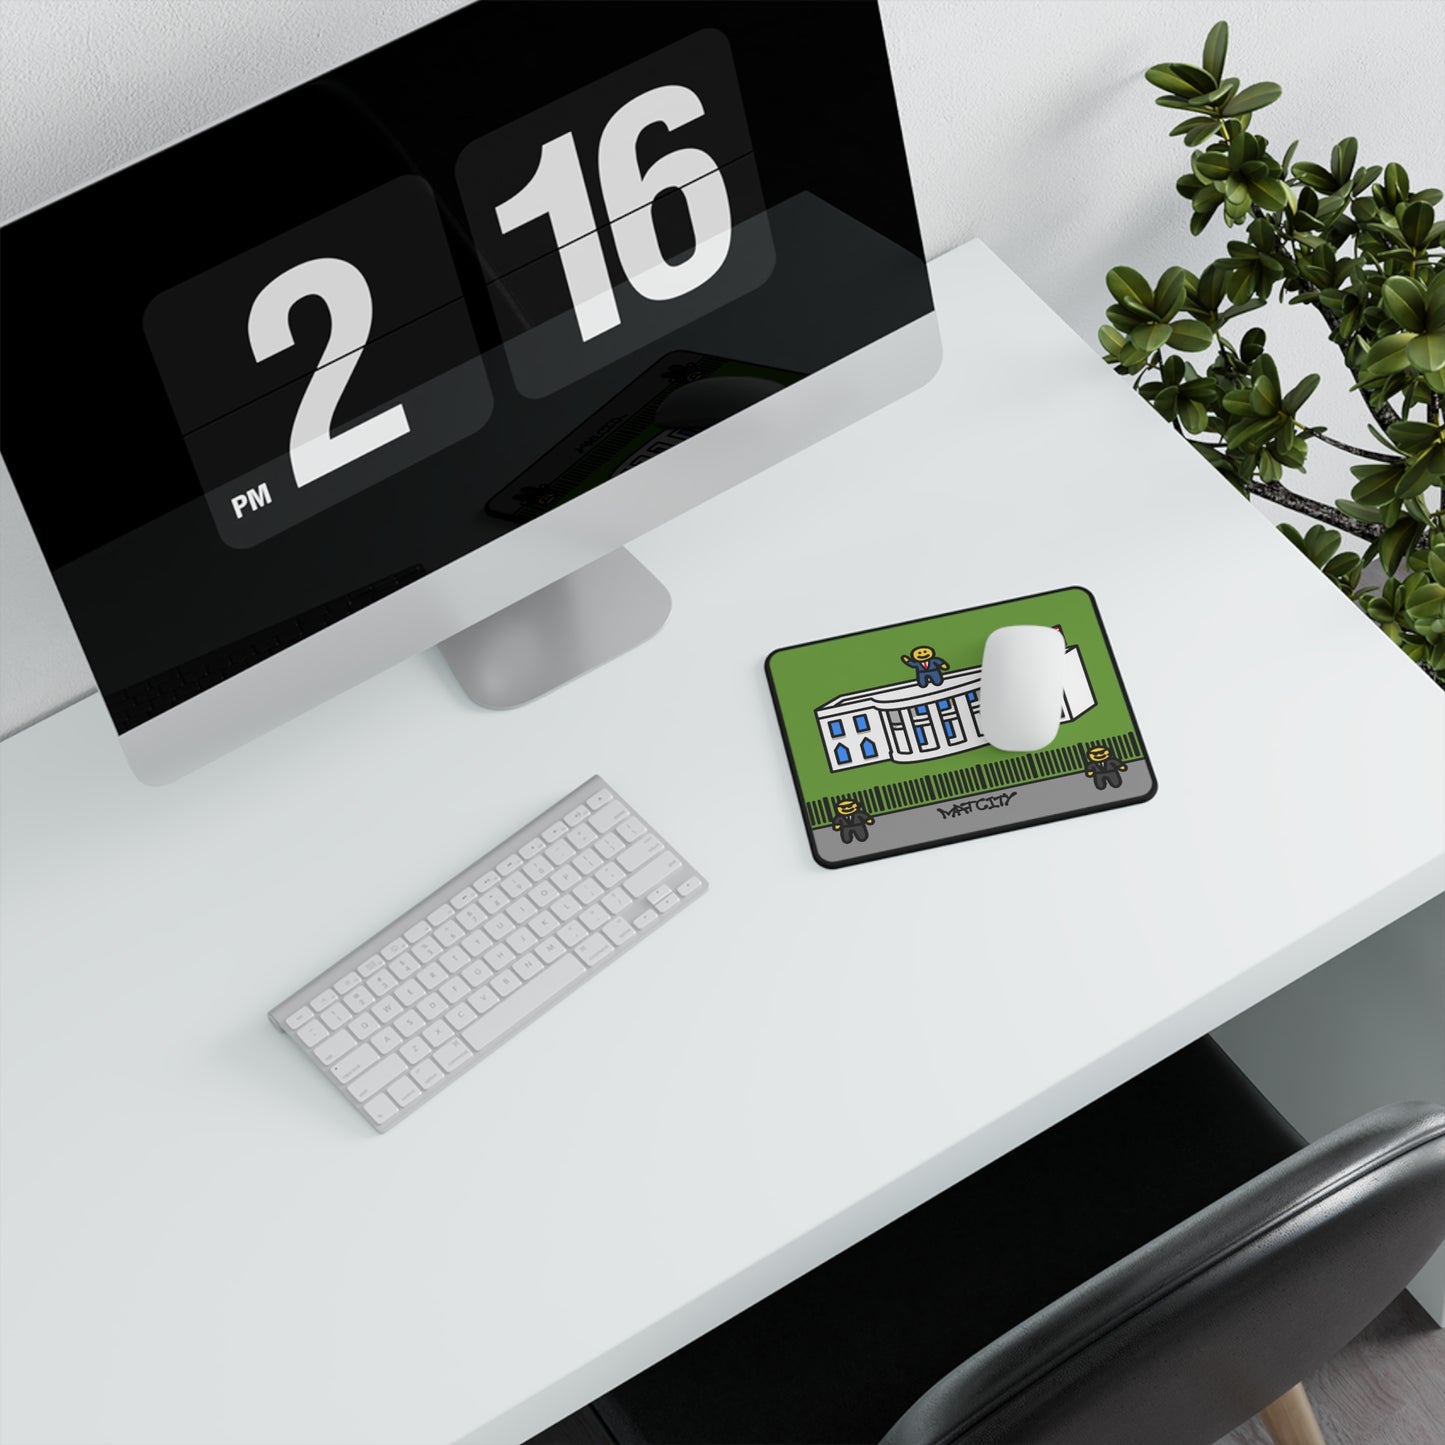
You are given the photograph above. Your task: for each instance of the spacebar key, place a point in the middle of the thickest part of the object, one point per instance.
(517, 1006)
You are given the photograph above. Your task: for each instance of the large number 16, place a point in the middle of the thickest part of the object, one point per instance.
(557, 190)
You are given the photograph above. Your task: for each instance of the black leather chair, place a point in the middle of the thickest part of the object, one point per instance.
(1154, 1270)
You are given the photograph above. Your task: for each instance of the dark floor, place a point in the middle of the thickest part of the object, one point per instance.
(1386, 1387)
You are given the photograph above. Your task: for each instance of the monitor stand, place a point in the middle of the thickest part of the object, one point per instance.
(577, 623)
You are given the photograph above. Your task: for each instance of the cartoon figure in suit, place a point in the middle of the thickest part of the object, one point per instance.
(1104, 768)
(928, 667)
(849, 823)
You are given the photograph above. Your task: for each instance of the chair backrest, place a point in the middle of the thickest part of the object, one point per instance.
(1188, 1337)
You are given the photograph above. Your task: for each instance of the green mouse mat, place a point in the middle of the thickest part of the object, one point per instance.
(882, 734)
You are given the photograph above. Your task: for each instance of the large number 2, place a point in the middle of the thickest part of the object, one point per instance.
(314, 450)
(557, 190)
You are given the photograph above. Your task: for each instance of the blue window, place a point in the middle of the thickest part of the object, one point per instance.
(869, 751)
(948, 730)
(918, 733)
(945, 704)
(860, 724)
(921, 709)
(836, 728)
(842, 754)
(971, 696)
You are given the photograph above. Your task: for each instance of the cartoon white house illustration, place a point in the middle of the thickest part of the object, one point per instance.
(910, 724)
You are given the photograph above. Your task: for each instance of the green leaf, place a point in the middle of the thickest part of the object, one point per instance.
(1397, 541)
(1181, 79)
(1216, 47)
(1397, 185)
(1387, 355)
(1415, 222)
(1300, 394)
(1355, 510)
(1190, 336)
(1376, 484)
(1342, 160)
(1125, 285)
(1427, 353)
(1150, 336)
(1252, 98)
(1264, 397)
(1312, 175)
(1412, 436)
(1169, 293)
(1272, 195)
(1404, 300)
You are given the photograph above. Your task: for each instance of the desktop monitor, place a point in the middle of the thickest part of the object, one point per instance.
(407, 354)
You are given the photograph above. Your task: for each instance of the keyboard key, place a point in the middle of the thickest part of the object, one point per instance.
(593, 950)
(577, 815)
(505, 982)
(509, 864)
(553, 831)
(587, 861)
(460, 1016)
(426, 950)
(531, 848)
(609, 845)
(588, 891)
(538, 869)
(396, 946)
(409, 1023)
(386, 1009)
(582, 835)
(689, 887)
(359, 998)
(489, 879)
(543, 924)
(528, 966)
(415, 1050)
(658, 894)
(634, 856)
(337, 1016)
(498, 957)
(605, 818)
(363, 1026)
(330, 1049)
(560, 852)
(403, 1091)
(572, 933)
(472, 917)
(311, 1033)
(452, 1055)
(477, 973)
(417, 931)
(521, 939)
(437, 1033)
(371, 965)
(405, 966)
(440, 915)
(303, 1015)
(449, 933)
(549, 950)
(462, 899)
(664, 905)
(511, 1011)
(433, 976)
(383, 981)
(609, 875)
(483, 999)
(541, 895)
(566, 907)
(619, 930)
(597, 799)
(385, 1040)
(358, 1061)
(516, 885)
(454, 960)
(324, 1000)
(645, 919)
(381, 1109)
(521, 910)
(408, 992)
(594, 916)
(652, 873)
(499, 927)
(433, 1006)
(376, 1078)
(475, 944)
(427, 1074)
(493, 900)
(631, 829)
(347, 982)
(565, 878)
(617, 901)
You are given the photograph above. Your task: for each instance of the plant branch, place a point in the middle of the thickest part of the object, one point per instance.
(1281, 495)
(1320, 436)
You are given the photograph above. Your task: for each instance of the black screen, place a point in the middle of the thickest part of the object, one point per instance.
(259, 380)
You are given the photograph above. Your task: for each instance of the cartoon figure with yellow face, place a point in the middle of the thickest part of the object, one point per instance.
(1104, 768)
(927, 665)
(849, 823)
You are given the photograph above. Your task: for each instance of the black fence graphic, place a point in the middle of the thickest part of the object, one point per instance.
(970, 778)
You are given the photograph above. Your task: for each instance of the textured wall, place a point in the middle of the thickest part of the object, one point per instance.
(1027, 124)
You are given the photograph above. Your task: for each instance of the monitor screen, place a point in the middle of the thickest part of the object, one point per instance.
(260, 380)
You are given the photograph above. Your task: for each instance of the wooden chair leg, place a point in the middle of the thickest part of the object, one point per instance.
(1290, 1420)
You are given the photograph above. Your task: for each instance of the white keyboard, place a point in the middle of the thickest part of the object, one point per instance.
(421, 1002)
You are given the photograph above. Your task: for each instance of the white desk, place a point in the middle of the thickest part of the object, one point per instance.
(202, 1244)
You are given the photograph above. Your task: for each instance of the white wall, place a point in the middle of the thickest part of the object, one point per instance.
(1028, 124)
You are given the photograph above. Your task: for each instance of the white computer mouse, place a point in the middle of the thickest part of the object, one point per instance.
(1020, 695)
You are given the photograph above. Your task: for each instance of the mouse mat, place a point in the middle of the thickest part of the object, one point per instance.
(882, 732)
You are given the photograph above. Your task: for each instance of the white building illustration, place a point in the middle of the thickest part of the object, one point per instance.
(906, 723)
